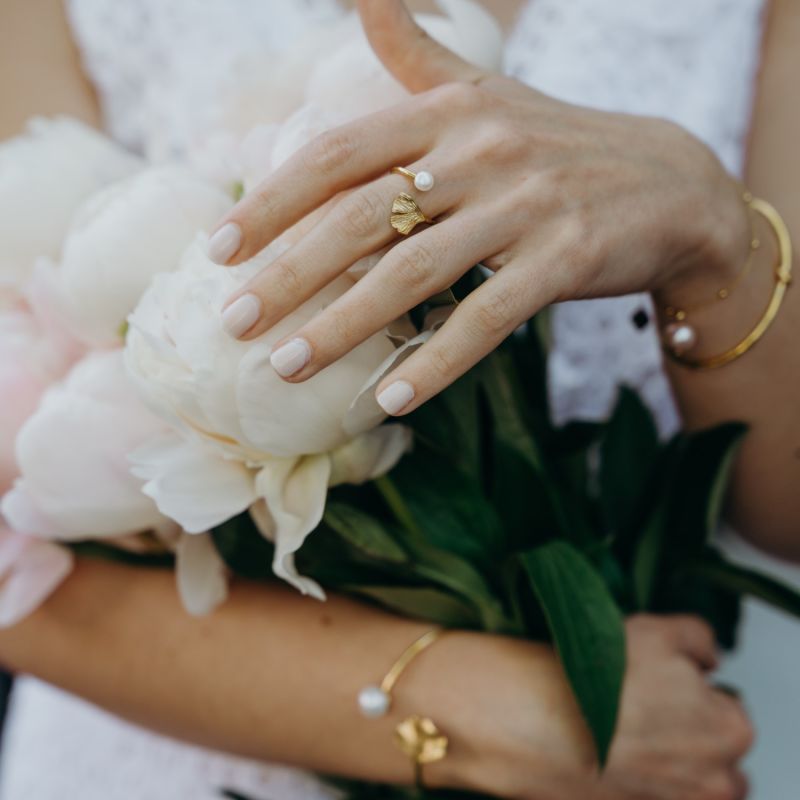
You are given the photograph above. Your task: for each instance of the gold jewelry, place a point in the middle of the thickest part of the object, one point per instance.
(420, 739)
(783, 279)
(724, 293)
(406, 214)
(417, 736)
(422, 180)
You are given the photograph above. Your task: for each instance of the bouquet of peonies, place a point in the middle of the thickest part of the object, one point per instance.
(134, 427)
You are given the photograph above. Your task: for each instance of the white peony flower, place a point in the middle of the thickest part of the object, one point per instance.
(45, 175)
(242, 435)
(123, 236)
(72, 455)
(349, 81)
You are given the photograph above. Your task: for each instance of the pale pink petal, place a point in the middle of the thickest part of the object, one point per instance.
(37, 572)
(201, 573)
(295, 491)
(365, 413)
(192, 484)
(23, 514)
(370, 455)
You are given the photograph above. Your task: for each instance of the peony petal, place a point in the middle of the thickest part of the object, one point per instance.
(370, 455)
(295, 491)
(23, 514)
(201, 573)
(192, 484)
(365, 413)
(72, 453)
(263, 520)
(40, 567)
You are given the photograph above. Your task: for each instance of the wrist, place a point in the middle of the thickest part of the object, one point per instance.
(510, 715)
(718, 232)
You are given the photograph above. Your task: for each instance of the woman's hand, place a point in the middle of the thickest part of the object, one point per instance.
(562, 202)
(520, 734)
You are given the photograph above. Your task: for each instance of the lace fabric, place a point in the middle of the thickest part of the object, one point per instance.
(158, 67)
(693, 63)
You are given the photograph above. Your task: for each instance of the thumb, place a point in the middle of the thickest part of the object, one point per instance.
(418, 61)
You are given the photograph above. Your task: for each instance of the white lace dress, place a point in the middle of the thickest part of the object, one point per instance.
(158, 65)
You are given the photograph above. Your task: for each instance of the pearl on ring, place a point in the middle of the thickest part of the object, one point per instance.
(424, 181)
(680, 337)
(373, 702)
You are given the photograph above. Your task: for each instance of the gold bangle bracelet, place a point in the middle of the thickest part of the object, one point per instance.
(783, 279)
(417, 736)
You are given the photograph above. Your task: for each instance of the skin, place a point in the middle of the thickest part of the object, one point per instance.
(520, 735)
(269, 654)
(540, 204)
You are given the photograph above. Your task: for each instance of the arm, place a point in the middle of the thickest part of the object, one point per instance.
(763, 387)
(273, 675)
(39, 68)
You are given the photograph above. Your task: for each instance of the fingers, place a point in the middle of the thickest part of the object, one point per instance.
(692, 637)
(736, 730)
(477, 326)
(356, 227)
(741, 785)
(684, 633)
(408, 274)
(407, 51)
(339, 159)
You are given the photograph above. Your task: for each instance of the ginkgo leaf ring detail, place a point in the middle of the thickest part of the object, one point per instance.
(406, 214)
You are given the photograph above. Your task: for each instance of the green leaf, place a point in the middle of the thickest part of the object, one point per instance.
(449, 425)
(627, 457)
(443, 506)
(700, 483)
(459, 576)
(108, 552)
(422, 603)
(442, 537)
(244, 549)
(528, 351)
(587, 629)
(521, 499)
(691, 478)
(645, 570)
(364, 532)
(507, 403)
(743, 581)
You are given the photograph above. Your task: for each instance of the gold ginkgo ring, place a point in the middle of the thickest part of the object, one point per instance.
(422, 180)
(406, 214)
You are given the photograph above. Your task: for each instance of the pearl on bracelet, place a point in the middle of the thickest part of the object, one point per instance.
(373, 702)
(680, 336)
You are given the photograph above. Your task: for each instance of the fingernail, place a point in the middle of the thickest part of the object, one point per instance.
(241, 315)
(225, 243)
(395, 397)
(291, 357)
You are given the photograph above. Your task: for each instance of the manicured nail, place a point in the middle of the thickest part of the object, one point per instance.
(225, 243)
(395, 397)
(291, 357)
(241, 315)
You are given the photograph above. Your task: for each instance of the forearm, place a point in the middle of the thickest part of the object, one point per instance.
(762, 388)
(39, 67)
(275, 676)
